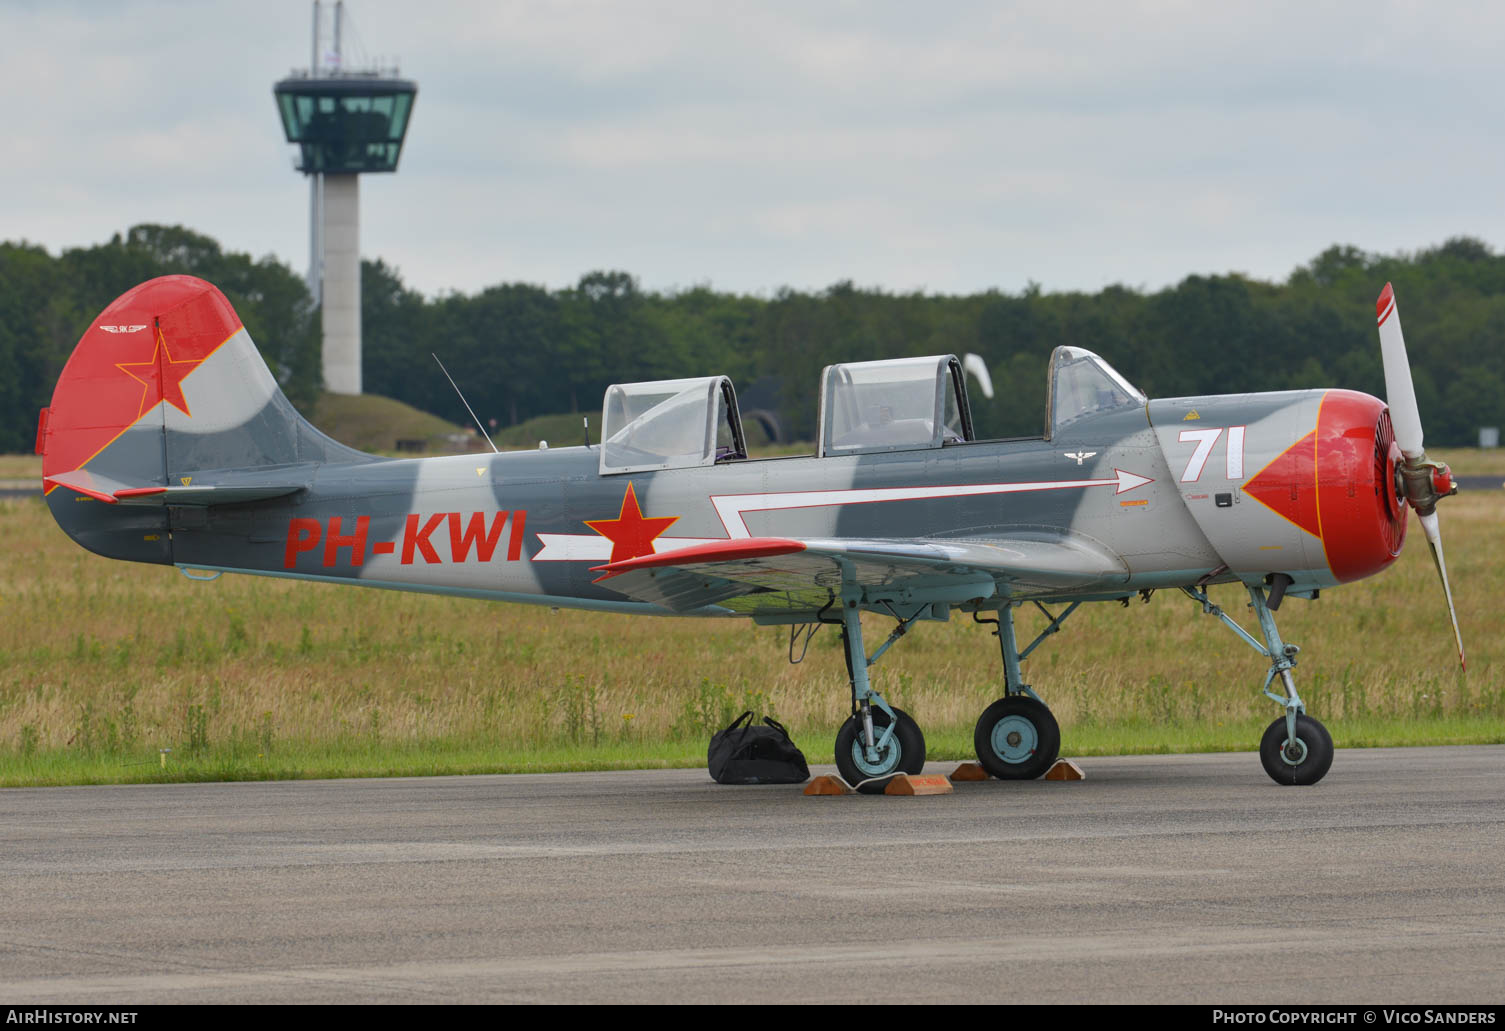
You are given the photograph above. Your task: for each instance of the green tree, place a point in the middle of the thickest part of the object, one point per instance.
(521, 350)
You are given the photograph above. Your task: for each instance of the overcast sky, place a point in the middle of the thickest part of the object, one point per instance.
(948, 147)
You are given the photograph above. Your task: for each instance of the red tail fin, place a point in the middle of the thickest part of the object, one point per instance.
(164, 401)
(129, 365)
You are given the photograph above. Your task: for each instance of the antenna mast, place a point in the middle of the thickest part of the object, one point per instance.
(464, 402)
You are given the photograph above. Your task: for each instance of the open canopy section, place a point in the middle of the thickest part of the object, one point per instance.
(900, 404)
(670, 424)
(1082, 384)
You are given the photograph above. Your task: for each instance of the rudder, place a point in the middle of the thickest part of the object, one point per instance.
(163, 387)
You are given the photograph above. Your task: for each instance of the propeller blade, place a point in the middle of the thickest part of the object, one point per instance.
(1425, 482)
(1400, 393)
(1433, 530)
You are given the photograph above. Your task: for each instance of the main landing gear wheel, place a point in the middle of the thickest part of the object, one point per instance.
(1306, 761)
(905, 752)
(1017, 738)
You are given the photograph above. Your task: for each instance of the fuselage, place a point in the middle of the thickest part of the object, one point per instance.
(1174, 490)
(169, 441)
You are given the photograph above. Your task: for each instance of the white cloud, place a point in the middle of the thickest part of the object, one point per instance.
(757, 145)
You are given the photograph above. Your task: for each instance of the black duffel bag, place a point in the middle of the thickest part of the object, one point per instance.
(745, 753)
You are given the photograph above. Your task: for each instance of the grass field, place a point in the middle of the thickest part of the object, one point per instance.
(369, 422)
(1472, 461)
(107, 663)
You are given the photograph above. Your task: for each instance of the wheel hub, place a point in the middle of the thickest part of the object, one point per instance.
(888, 758)
(1014, 739)
(1293, 752)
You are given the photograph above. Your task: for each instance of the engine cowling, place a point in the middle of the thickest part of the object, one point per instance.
(1324, 503)
(1362, 516)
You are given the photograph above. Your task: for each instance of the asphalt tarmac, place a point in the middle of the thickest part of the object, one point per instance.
(1158, 879)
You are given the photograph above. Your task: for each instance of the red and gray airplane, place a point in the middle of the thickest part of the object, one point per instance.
(168, 441)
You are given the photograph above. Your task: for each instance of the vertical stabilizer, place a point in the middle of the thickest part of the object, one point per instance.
(163, 387)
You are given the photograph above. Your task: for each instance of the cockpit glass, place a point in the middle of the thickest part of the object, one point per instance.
(883, 404)
(897, 404)
(671, 424)
(956, 429)
(1082, 384)
(659, 425)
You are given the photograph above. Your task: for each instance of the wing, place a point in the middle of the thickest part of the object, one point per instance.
(768, 574)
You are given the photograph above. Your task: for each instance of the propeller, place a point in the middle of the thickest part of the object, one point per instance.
(1423, 482)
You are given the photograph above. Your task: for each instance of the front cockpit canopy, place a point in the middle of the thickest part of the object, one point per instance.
(901, 404)
(1082, 384)
(670, 424)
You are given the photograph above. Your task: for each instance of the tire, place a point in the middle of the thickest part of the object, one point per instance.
(1017, 738)
(905, 752)
(1316, 752)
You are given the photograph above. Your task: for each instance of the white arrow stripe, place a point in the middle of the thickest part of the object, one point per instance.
(733, 508)
(591, 547)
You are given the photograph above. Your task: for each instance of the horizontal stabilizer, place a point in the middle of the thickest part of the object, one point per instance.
(113, 492)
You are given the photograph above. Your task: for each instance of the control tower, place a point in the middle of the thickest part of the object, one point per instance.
(345, 122)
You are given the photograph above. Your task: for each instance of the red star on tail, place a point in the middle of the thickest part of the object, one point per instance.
(161, 380)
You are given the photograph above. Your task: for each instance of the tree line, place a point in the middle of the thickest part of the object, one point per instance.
(521, 350)
(47, 302)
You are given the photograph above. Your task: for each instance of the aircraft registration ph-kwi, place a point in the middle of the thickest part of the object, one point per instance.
(168, 441)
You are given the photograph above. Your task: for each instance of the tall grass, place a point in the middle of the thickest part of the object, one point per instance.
(104, 664)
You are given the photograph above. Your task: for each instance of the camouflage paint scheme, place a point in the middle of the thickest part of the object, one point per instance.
(168, 441)
(156, 481)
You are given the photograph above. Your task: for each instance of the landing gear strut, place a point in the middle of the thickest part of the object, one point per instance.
(878, 741)
(1295, 749)
(1016, 737)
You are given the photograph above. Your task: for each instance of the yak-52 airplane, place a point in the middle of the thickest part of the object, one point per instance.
(168, 441)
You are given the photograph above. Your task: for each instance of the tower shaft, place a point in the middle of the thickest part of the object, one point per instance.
(341, 232)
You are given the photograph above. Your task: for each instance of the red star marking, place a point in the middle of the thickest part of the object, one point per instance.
(161, 380)
(630, 534)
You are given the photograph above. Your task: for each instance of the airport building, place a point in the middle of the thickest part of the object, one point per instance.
(345, 122)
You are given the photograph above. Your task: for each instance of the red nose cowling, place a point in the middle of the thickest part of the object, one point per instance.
(1362, 519)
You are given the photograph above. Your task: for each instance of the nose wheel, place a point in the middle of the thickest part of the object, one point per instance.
(1295, 749)
(1017, 738)
(1304, 759)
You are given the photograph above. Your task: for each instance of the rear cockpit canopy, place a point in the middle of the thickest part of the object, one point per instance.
(670, 424)
(1082, 384)
(902, 404)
